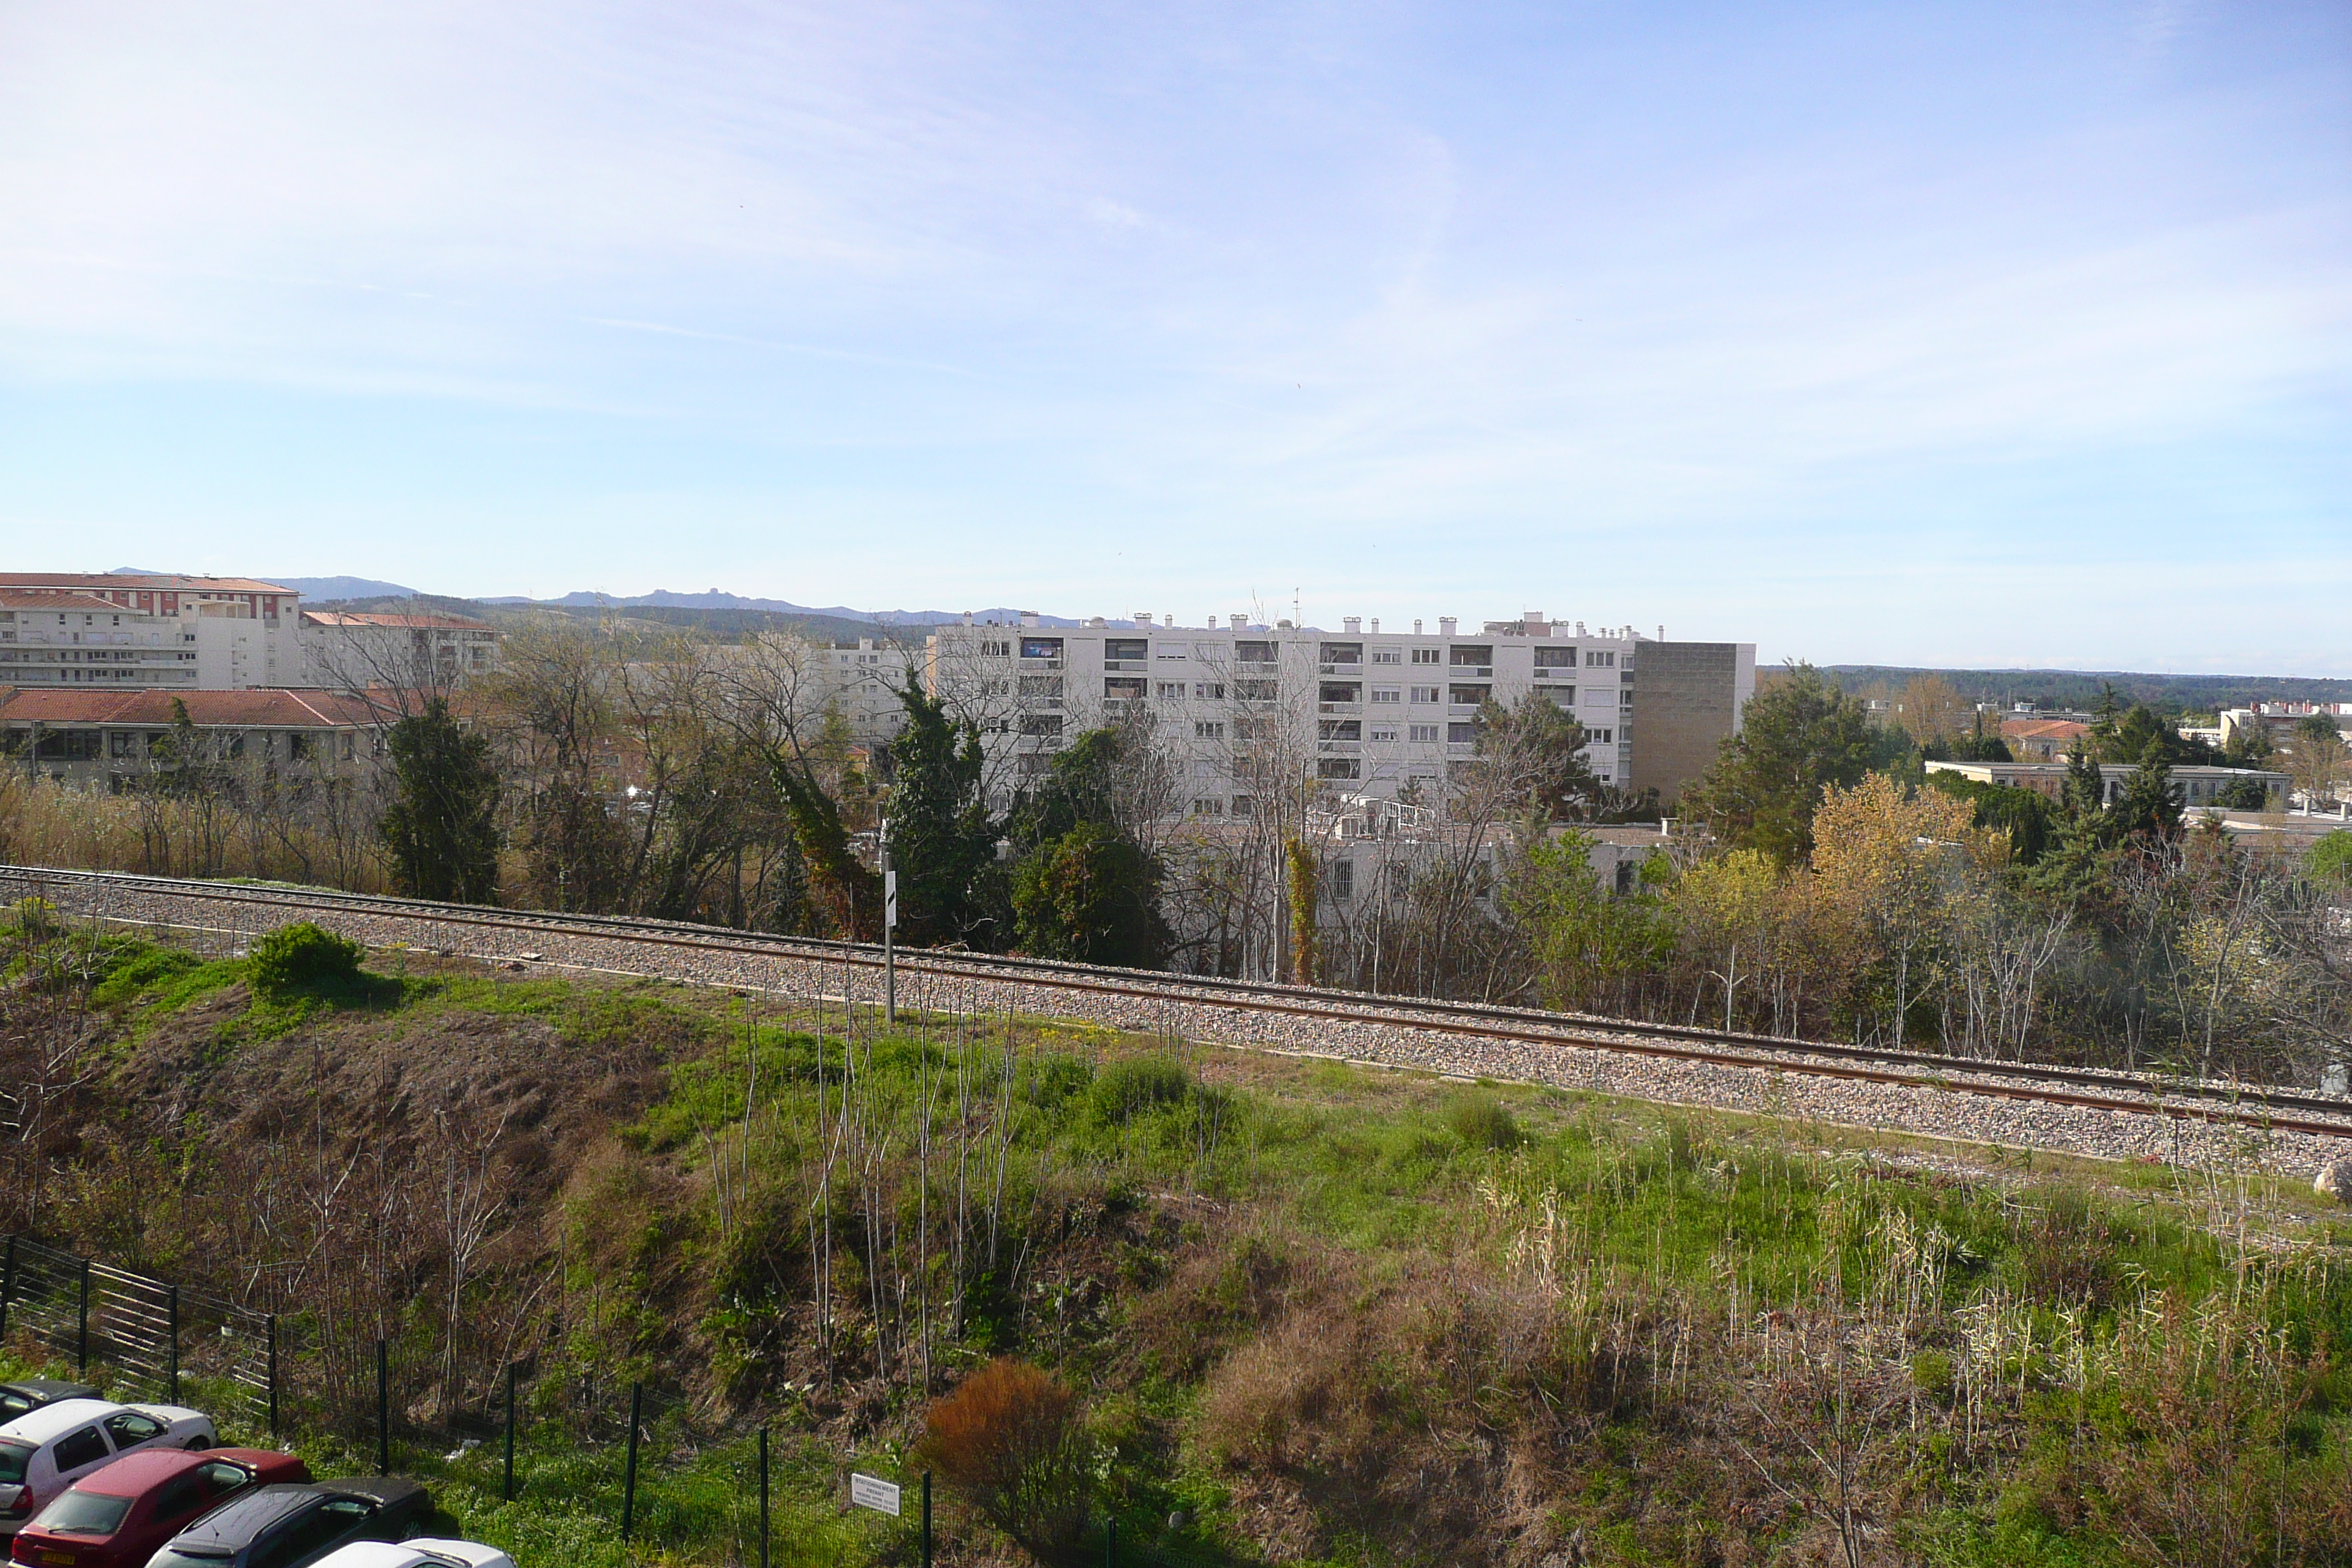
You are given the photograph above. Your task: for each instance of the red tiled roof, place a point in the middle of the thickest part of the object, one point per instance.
(260, 708)
(166, 582)
(2043, 729)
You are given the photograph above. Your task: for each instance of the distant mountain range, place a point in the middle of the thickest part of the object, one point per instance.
(660, 599)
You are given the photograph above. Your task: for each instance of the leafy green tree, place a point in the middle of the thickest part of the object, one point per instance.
(442, 825)
(1799, 735)
(1091, 897)
(849, 890)
(1534, 750)
(2149, 807)
(1083, 888)
(2329, 862)
(2030, 819)
(1589, 945)
(942, 841)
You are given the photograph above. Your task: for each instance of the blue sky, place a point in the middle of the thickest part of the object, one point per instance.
(1967, 335)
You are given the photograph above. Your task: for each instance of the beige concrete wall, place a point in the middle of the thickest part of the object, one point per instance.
(1686, 697)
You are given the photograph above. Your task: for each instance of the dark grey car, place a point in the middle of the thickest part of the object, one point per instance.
(290, 1526)
(29, 1394)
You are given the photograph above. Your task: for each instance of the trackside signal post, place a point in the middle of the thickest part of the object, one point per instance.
(889, 927)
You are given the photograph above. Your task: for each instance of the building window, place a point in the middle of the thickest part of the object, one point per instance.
(1337, 768)
(1169, 650)
(1033, 764)
(1033, 685)
(1341, 729)
(1209, 691)
(1384, 732)
(1425, 655)
(1341, 875)
(1595, 658)
(1468, 696)
(1244, 805)
(1125, 688)
(1462, 734)
(1208, 808)
(1127, 648)
(1387, 694)
(1343, 653)
(1388, 655)
(1041, 723)
(1172, 690)
(1208, 730)
(1254, 652)
(1555, 658)
(1425, 694)
(1256, 690)
(1602, 737)
(1423, 734)
(1340, 692)
(1257, 727)
(1041, 648)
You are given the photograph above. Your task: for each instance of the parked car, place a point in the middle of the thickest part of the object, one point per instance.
(423, 1552)
(117, 1517)
(295, 1526)
(25, 1397)
(45, 1452)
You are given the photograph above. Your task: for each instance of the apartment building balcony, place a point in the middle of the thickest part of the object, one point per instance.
(1041, 664)
(1340, 748)
(1120, 666)
(1471, 672)
(1255, 665)
(1338, 668)
(1338, 707)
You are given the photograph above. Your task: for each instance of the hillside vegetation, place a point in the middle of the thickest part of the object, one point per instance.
(1304, 1313)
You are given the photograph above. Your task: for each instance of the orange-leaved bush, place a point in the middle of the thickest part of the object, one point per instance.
(1009, 1441)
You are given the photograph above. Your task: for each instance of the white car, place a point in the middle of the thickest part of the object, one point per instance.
(47, 1451)
(424, 1551)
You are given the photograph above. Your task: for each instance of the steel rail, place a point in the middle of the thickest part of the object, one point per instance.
(2246, 1105)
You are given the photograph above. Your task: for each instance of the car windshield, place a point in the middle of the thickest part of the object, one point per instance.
(79, 1512)
(13, 1457)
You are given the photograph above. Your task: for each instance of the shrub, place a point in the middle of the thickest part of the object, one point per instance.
(303, 957)
(1125, 1089)
(35, 917)
(1484, 1122)
(1009, 1441)
(2330, 860)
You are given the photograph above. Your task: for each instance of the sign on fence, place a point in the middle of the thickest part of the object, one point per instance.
(874, 1492)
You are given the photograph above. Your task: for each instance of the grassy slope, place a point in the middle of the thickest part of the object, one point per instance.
(1355, 1317)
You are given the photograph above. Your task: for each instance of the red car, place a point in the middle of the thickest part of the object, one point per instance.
(118, 1516)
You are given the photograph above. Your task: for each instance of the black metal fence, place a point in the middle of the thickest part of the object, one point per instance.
(153, 1332)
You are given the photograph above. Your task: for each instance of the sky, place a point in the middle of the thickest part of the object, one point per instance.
(1991, 335)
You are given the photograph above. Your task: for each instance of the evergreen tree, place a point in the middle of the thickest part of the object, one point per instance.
(2148, 808)
(442, 825)
(942, 841)
(1799, 735)
(1083, 888)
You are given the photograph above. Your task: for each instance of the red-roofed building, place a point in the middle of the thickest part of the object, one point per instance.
(118, 631)
(2042, 740)
(98, 738)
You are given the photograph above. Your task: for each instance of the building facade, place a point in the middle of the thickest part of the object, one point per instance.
(100, 739)
(1366, 712)
(121, 632)
(424, 651)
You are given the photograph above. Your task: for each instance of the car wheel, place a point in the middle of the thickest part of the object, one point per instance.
(198, 1443)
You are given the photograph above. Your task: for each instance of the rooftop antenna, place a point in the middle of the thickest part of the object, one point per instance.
(1296, 619)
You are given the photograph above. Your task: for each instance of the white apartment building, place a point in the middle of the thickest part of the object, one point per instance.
(348, 651)
(1374, 714)
(121, 632)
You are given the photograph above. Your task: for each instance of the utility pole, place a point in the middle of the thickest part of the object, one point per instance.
(890, 927)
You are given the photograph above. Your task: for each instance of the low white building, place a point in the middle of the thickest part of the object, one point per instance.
(420, 650)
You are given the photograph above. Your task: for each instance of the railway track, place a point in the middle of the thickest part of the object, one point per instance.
(664, 947)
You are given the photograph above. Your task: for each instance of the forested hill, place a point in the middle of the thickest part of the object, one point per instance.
(2081, 688)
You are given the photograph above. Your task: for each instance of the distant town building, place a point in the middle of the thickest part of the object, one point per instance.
(2192, 786)
(2039, 739)
(2276, 722)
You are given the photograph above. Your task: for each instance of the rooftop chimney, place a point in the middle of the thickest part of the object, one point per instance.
(1446, 624)
(1028, 617)
(1662, 631)
(1239, 622)
(1376, 626)
(967, 617)
(1416, 626)
(1143, 617)
(1355, 625)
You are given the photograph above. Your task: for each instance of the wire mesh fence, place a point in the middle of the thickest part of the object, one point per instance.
(156, 1335)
